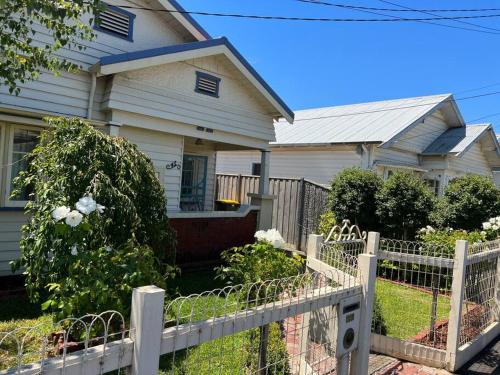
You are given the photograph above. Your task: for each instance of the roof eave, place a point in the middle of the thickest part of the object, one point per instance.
(158, 56)
(449, 98)
(322, 144)
(185, 19)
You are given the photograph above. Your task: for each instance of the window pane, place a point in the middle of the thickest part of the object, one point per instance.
(24, 141)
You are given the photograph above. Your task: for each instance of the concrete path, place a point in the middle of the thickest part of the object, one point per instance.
(487, 362)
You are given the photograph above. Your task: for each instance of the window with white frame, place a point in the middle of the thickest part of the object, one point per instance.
(21, 141)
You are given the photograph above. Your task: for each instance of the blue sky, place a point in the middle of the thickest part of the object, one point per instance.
(321, 64)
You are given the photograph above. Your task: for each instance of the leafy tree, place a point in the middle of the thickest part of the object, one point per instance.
(353, 197)
(97, 220)
(403, 204)
(468, 201)
(22, 58)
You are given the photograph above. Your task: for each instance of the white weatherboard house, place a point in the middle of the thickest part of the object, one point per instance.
(158, 79)
(426, 135)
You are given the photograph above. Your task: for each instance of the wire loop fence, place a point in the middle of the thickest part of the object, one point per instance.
(278, 341)
(48, 343)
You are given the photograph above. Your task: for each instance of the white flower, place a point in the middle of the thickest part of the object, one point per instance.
(108, 249)
(483, 233)
(497, 219)
(100, 208)
(495, 227)
(486, 225)
(74, 251)
(60, 213)
(86, 205)
(74, 218)
(493, 220)
(430, 229)
(422, 230)
(260, 235)
(272, 236)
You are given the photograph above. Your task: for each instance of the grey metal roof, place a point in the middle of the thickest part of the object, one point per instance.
(456, 140)
(374, 122)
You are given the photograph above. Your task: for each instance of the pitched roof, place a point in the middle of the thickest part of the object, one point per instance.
(157, 56)
(456, 140)
(374, 122)
(185, 19)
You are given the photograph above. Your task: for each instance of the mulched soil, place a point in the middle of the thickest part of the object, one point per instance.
(471, 327)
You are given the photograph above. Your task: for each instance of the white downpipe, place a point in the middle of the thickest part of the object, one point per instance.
(93, 81)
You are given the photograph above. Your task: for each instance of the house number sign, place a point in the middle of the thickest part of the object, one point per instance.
(173, 164)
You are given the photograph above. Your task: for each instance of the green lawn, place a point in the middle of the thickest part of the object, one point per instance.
(407, 311)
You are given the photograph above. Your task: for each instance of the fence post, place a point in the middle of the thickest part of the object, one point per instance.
(367, 274)
(238, 189)
(314, 242)
(457, 295)
(300, 220)
(146, 327)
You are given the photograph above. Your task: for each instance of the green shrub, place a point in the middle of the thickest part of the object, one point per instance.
(403, 205)
(90, 259)
(352, 197)
(446, 238)
(468, 201)
(326, 223)
(258, 262)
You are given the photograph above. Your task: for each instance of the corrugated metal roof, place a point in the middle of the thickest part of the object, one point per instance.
(456, 140)
(374, 122)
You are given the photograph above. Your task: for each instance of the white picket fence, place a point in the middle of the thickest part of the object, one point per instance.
(314, 323)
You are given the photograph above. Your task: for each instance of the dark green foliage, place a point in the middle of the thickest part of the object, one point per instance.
(403, 205)
(353, 197)
(468, 201)
(116, 248)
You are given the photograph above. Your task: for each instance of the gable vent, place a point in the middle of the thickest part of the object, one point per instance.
(207, 84)
(116, 21)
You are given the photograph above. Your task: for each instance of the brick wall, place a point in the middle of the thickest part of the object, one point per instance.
(203, 239)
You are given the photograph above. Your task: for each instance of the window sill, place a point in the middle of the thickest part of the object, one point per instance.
(6, 209)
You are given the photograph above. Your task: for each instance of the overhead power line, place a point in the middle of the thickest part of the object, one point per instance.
(371, 11)
(348, 6)
(309, 19)
(399, 107)
(434, 14)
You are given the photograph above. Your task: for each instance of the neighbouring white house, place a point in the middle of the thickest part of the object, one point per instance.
(158, 79)
(426, 135)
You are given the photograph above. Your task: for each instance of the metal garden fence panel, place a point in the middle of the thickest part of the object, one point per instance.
(297, 208)
(258, 328)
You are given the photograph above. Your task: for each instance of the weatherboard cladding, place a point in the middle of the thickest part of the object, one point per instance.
(455, 140)
(138, 55)
(374, 122)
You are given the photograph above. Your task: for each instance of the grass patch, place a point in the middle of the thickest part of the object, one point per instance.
(407, 311)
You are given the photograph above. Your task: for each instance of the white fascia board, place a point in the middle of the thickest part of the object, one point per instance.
(148, 62)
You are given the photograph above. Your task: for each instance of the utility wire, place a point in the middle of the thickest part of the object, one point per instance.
(310, 19)
(399, 107)
(365, 10)
(434, 14)
(348, 6)
(484, 117)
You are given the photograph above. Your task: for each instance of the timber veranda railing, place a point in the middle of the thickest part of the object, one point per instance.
(297, 208)
(284, 326)
(435, 304)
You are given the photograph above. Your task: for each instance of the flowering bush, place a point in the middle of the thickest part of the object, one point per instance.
(272, 236)
(97, 219)
(491, 228)
(448, 237)
(260, 261)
